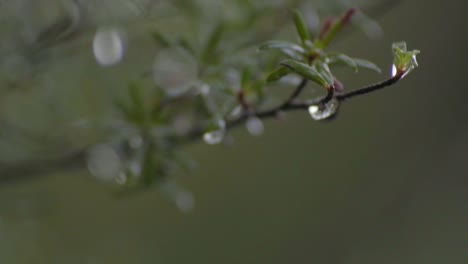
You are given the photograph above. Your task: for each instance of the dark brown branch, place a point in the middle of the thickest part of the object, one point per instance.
(292, 105)
(371, 88)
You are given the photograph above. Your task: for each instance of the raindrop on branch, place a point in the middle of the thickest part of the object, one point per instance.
(324, 112)
(214, 137)
(216, 134)
(255, 126)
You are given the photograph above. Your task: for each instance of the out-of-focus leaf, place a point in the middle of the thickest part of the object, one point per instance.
(187, 46)
(278, 74)
(361, 63)
(282, 45)
(212, 43)
(343, 59)
(245, 77)
(301, 26)
(161, 39)
(354, 63)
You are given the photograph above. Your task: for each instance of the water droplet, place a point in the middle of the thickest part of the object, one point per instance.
(108, 47)
(214, 137)
(174, 71)
(321, 113)
(236, 112)
(103, 162)
(255, 126)
(135, 168)
(205, 89)
(121, 178)
(136, 142)
(395, 71)
(185, 201)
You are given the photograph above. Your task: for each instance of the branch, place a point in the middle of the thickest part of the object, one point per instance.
(292, 105)
(20, 172)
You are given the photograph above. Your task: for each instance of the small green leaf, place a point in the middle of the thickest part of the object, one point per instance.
(301, 27)
(278, 74)
(404, 60)
(306, 71)
(282, 45)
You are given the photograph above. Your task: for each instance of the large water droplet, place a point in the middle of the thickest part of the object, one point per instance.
(255, 126)
(323, 112)
(175, 71)
(214, 137)
(108, 47)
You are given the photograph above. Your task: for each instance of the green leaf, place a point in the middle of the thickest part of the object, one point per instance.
(345, 59)
(355, 63)
(301, 27)
(137, 102)
(323, 70)
(161, 39)
(278, 74)
(306, 71)
(212, 43)
(135, 93)
(282, 45)
(187, 46)
(245, 77)
(367, 65)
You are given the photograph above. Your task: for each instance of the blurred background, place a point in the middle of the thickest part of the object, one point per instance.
(387, 182)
